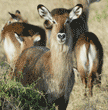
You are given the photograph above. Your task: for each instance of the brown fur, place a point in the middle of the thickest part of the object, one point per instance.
(87, 75)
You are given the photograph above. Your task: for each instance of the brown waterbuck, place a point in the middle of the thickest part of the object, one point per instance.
(19, 36)
(89, 56)
(78, 26)
(12, 36)
(53, 68)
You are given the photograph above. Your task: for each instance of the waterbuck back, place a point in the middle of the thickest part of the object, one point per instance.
(89, 56)
(53, 68)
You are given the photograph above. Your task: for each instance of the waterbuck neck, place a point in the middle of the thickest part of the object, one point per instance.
(61, 57)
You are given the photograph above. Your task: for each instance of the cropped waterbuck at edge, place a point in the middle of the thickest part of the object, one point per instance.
(14, 44)
(78, 26)
(53, 68)
(89, 56)
(19, 36)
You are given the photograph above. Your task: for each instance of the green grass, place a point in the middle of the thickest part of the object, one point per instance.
(20, 97)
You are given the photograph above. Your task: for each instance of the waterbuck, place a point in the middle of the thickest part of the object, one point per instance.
(89, 56)
(14, 43)
(53, 68)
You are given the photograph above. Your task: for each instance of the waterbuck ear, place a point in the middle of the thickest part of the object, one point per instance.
(18, 12)
(12, 15)
(45, 13)
(76, 12)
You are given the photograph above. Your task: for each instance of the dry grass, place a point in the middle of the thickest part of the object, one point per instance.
(98, 23)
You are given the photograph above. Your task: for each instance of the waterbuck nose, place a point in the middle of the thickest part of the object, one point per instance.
(61, 35)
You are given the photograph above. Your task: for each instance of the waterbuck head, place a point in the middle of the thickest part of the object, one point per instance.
(15, 18)
(61, 31)
(61, 35)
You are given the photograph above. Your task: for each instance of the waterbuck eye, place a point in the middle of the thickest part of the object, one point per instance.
(54, 22)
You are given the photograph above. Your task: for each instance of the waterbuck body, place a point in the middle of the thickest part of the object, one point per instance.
(89, 56)
(53, 68)
(17, 37)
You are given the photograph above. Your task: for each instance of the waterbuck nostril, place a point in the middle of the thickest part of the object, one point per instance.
(61, 35)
